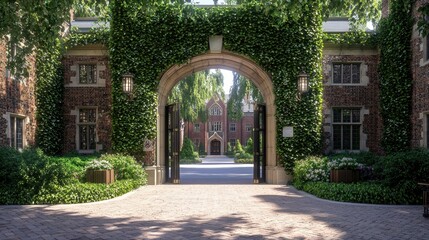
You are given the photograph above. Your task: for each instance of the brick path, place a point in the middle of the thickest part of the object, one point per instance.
(213, 212)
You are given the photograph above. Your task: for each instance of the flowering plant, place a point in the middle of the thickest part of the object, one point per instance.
(311, 169)
(99, 165)
(344, 163)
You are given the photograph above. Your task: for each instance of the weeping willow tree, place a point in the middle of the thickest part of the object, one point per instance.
(194, 91)
(242, 92)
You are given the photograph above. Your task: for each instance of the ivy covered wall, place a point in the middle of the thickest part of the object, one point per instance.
(147, 42)
(395, 75)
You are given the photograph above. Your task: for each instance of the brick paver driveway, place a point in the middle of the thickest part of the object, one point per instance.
(213, 212)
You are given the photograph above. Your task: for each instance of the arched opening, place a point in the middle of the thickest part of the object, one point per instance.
(230, 61)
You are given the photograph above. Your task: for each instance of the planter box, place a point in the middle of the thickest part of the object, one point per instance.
(100, 176)
(344, 175)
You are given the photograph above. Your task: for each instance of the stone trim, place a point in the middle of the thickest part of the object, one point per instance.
(327, 128)
(7, 116)
(364, 79)
(75, 112)
(74, 80)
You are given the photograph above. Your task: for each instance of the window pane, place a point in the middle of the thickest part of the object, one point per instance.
(336, 138)
(346, 137)
(12, 132)
(337, 73)
(337, 115)
(347, 73)
(91, 137)
(19, 133)
(356, 137)
(87, 74)
(347, 115)
(356, 73)
(356, 115)
(82, 137)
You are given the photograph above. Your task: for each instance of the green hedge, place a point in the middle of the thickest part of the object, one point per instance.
(375, 193)
(32, 177)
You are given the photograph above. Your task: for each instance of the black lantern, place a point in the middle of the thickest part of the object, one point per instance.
(303, 83)
(127, 83)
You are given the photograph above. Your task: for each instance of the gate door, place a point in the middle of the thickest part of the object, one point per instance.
(259, 144)
(215, 147)
(172, 145)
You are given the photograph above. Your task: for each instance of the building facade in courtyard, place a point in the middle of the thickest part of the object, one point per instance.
(214, 135)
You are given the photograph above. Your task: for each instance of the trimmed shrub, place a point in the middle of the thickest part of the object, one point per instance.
(243, 158)
(361, 192)
(403, 171)
(126, 167)
(238, 148)
(249, 146)
(188, 152)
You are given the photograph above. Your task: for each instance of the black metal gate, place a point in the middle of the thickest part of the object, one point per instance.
(259, 144)
(172, 144)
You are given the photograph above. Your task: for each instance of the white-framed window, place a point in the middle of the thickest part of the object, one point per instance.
(87, 74)
(197, 127)
(248, 127)
(215, 110)
(86, 128)
(215, 126)
(232, 127)
(346, 128)
(12, 50)
(346, 73)
(17, 131)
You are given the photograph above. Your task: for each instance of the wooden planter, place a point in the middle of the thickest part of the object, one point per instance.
(100, 176)
(344, 175)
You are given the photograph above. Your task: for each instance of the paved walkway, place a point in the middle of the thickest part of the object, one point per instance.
(216, 170)
(213, 212)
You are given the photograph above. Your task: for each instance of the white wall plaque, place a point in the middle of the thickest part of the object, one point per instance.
(287, 131)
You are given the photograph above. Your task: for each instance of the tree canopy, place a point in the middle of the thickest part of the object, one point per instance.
(242, 91)
(194, 91)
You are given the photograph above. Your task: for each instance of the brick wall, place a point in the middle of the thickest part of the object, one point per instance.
(76, 97)
(17, 97)
(364, 97)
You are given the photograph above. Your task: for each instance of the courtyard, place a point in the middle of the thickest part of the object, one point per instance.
(213, 212)
(214, 202)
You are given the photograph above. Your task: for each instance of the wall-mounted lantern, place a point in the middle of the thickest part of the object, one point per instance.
(302, 83)
(127, 83)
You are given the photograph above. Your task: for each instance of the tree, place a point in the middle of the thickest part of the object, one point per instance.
(238, 148)
(242, 89)
(194, 91)
(249, 146)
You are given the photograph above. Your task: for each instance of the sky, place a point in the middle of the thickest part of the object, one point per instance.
(227, 80)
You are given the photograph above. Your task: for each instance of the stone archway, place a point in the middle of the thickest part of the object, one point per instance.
(230, 61)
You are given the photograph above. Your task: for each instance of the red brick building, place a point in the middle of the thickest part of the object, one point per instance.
(214, 135)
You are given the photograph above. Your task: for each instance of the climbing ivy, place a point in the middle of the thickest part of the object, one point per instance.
(147, 43)
(395, 75)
